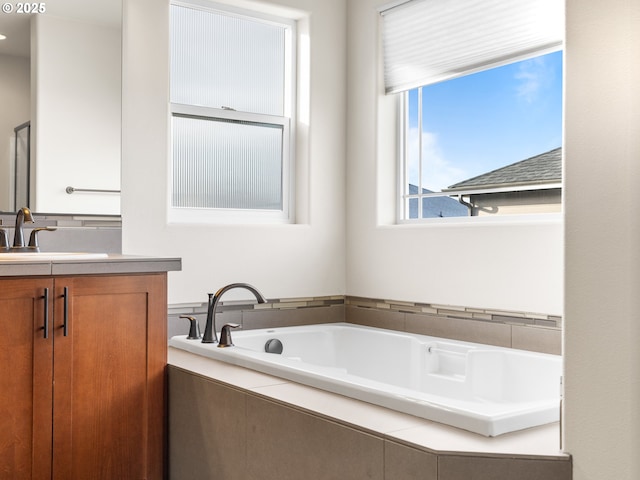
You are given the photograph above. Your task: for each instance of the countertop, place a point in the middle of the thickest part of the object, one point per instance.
(111, 264)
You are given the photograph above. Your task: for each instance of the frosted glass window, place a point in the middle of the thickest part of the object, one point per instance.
(232, 100)
(221, 60)
(226, 164)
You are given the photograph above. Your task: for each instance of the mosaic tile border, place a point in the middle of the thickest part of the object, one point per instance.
(451, 311)
(272, 304)
(525, 331)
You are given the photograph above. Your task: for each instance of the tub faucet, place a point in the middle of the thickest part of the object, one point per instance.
(210, 335)
(24, 215)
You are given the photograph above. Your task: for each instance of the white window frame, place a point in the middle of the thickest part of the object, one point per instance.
(287, 122)
(464, 37)
(404, 197)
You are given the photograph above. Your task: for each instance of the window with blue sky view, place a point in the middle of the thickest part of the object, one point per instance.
(463, 128)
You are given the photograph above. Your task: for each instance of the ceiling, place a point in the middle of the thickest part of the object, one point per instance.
(16, 26)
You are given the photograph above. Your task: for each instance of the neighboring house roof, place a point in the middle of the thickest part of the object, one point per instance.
(541, 169)
(436, 206)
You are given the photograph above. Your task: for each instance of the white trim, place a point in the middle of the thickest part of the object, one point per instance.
(232, 10)
(483, 220)
(482, 191)
(226, 114)
(230, 216)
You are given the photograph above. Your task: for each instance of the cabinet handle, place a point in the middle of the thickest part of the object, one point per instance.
(46, 313)
(65, 325)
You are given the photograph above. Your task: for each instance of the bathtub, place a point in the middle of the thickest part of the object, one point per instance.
(480, 388)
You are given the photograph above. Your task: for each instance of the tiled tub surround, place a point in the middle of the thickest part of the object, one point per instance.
(525, 331)
(243, 424)
(233, 423)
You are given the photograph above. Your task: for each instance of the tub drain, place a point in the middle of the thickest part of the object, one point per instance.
(273, 345)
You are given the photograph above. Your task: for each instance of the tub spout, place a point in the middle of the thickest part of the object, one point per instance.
(210, 335)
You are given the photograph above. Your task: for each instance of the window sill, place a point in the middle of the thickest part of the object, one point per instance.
(195, 216)
(484, 221)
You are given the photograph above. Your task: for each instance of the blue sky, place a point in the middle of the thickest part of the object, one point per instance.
(480, 122)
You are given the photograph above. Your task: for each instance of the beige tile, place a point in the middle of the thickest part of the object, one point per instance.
(399, 303)
(263, 306)
(391, 320)
(453, 467)
(206, 429)
(483, 316)
(406, 463)
(254, 319)
(296, 299)
(286, 444)
(429, 310)
(290, 304)
(220, 371)
(543, 441)
(537, 339)
(343, 409)
(538, 316)
(459, 329)
(448, 307)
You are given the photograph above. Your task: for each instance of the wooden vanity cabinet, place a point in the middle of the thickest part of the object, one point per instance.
(88, 401)
(26, 378)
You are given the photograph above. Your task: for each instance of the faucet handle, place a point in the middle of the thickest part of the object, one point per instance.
(33, 238)
(194, 328)
(225, 335)
(4, 238)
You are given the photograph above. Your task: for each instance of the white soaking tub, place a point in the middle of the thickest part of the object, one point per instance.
(481, 388)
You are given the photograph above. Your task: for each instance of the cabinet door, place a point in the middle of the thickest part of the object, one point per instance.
(110, 358)
(26, 368)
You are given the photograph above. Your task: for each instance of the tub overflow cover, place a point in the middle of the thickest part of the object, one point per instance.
(273, 345)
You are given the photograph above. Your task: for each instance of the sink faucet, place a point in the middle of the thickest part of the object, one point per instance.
(210, 335)
(24, 215)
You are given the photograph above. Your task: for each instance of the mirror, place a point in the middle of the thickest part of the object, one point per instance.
(61, 107)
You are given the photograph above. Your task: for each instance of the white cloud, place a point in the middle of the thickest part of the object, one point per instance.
(534, 75)
(437, 171)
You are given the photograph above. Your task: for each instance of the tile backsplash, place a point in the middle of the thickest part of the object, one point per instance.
(75, 233)
(522, 330)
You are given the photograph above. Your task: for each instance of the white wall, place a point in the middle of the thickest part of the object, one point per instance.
(76, 81)
(281, 260)
(15, 91)
(484, 264)
(602, 171)
(517, 267)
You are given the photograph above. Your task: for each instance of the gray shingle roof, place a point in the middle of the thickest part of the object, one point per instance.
(541, 169)
(435, 206)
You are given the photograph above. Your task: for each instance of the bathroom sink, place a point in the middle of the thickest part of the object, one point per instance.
(47, 256)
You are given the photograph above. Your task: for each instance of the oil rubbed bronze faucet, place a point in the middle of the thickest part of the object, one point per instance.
(24, 215)
(19, 244)
(210, 335)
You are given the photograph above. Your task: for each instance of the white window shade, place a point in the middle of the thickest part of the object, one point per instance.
(428, 41)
